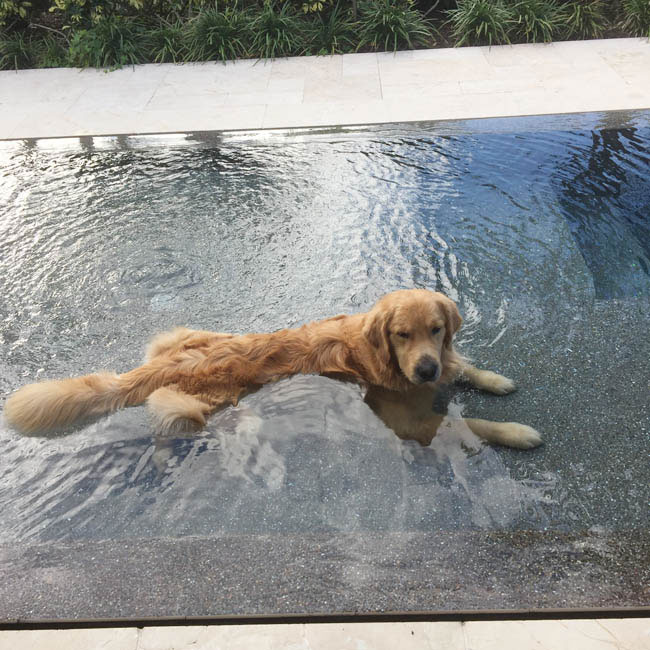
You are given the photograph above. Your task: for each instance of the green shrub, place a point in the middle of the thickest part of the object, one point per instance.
(636, 17)
(51, 52)
(113, 33)
(584, 19)
(17, 51)
(314, 6)
(12, 9)
(276, 32)
(480, 22)
(387, 25)
(112, 42)
(535, 21)
(218, 35)
(166, 41)
(331, 33)
(84, 13)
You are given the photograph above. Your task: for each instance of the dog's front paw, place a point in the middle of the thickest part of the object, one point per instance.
(497, 384)
(521, 436)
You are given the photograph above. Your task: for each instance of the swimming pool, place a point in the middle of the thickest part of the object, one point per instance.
(537, 227)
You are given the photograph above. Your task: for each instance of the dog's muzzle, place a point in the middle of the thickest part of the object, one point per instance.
(427, 370)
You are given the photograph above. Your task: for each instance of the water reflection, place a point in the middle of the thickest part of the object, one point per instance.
(605, 197)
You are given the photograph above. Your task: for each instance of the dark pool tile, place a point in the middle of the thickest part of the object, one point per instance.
(312, 574)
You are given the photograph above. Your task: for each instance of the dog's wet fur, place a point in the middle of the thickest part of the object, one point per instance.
(401, 351)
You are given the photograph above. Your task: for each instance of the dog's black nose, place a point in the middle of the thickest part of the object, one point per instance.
(427, 369)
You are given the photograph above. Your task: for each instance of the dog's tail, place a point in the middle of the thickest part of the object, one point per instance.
(58, 403)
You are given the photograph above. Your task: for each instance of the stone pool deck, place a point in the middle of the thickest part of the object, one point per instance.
(607, 634)
(352, 89)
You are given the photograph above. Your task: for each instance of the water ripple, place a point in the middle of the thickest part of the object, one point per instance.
(536, 235)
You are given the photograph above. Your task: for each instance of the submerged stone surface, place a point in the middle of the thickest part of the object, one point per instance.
(300, 500)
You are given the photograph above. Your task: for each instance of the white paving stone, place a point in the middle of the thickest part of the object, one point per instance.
(99, 639)
(522, 54)
(353, 65)
(363, 88)
(588, 634)
(327, 114)
(317, 636)
(428, 71)
(420, 92)
(593, 634)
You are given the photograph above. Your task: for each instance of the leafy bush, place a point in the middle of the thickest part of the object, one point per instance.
(51, 52)
(166, 41)
(11, 9)
(584, 19)
(17, 51)
(112, 33)
(84, 13)
(389, 24)
(218, 35)
(113, 41)
(636, 17)
(535, 21)
(480, 22)
(276, 32)
(332, 33)
(315, 6)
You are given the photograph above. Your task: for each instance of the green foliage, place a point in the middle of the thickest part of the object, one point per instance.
(276, 32)
(172, 10)
(315, 6)
(166, 41)
(112, 42)
(445, 5)
(113, 33)
(480, 22)
(11, 9)
(84, 13)
(51, 52)
(388, 25)
(535, 21)
(17, 51)
(636, 17)
(332, 33)
(218, 35)
(584, 19)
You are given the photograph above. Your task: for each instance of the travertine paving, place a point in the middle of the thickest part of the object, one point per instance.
(605, 634)
(350, 89)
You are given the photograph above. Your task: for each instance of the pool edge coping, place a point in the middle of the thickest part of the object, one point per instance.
(340, 90)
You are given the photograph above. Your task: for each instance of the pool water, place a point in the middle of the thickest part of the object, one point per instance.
(538, 228)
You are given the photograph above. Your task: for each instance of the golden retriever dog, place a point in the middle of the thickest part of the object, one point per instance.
(401, 351)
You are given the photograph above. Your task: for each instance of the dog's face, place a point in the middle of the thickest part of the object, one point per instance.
(412, 329)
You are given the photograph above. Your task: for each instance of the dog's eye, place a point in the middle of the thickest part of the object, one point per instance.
(435, 330)
(403, 335)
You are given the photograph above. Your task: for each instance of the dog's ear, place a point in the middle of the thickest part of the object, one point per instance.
(376, 332)
(452, 317)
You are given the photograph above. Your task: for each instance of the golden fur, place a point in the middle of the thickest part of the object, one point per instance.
(401, 349)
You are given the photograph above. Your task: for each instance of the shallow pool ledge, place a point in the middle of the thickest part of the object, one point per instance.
(438, 84)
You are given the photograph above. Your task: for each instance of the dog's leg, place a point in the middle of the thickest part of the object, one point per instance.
(423, 430)
(174, 411)
(410, 417)
(487, 380)
(509, 434)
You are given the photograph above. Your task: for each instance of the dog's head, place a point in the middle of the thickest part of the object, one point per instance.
(411, 331)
